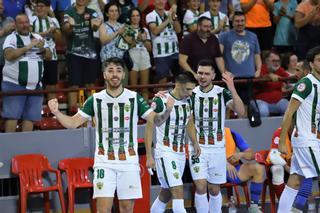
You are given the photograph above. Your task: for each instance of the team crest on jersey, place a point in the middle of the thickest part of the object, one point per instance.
(127, 118)
(127, 107)
(301, 87)
(115, 118)
(116, 107)
(99, 185)
(206, 109)
(196, 169)
(176, 175)
(215, 101)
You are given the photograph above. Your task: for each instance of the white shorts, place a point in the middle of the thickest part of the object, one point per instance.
(170, 170)
(305, 161)
(209, 166)
(140, 59)
(106, 181)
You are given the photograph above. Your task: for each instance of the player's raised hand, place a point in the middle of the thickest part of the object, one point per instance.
(53, 106)
(160, 94)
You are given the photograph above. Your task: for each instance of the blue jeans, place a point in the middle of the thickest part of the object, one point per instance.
(267, 108)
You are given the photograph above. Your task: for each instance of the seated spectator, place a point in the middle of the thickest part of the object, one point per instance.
(280, 167)
(49, 28)
(200, 45)
(190, 18)
(140, 52)
(307, 20)
(23, 53)
(164, 27)
(60, 7)
(6, 27)
(238, 171)
(219, 20)
(79, 24)
(13, 8)
(285, 35)
(269, 95)
(289, 62)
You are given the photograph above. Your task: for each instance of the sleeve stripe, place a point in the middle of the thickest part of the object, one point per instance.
(83, 114)
(295, 96)
(146, 113)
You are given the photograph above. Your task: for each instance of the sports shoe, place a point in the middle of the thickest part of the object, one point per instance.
(254, 208)
(295, 210)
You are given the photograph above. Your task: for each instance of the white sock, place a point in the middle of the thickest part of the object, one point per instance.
(178, 206)
(215, 203)
(201, 202)
(158, 206)
(286, 200)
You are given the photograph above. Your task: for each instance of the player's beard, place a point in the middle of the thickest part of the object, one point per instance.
(114, 85)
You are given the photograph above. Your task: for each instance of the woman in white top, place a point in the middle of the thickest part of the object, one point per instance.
(139, 52)
(190, 18)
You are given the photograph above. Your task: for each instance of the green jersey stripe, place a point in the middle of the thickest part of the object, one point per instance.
(164, 171)
(176, 129)
(201, 133)
(40, 25)
(121, 151)
(159, 48)
(184, 129)
(219, 131)
(23, 73)
(99, 115)
(210, 135)
(131, 122)
(166, 47)
(314, 161)
(110, 133)
(314, 108)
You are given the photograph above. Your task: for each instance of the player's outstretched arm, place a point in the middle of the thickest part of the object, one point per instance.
(70, 122)
(148, 136)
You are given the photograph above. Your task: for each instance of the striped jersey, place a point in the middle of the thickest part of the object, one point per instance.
(209, 114)
(171, 134)
(190, 18)
(40, 25)
(215, 20)
(27, 70)
(307, 118)
(116, 127)
(166, 43)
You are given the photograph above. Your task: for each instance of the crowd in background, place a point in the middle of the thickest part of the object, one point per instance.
(157, 39)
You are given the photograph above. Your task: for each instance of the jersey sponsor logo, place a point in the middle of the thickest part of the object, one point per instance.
(127, 118)
(100, 185)
(301, 87)
(196, 169)
(115, 118)
(176, 175)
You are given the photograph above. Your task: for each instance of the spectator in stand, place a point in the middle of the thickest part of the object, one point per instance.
(219, 20)
(226, 7)
(307, 20)
(258, 20)
(24, 53)
(269, 95)
(285, 35)
(30, 9)
(98, 6)
(140, 52)
(200, 45)
(79, 24)
(164, 26)
(13, 7)
(241, 52)
(190, 18)
(60, 7)
(125, 7)
(289, 62)
(6, 27)
(49, 28)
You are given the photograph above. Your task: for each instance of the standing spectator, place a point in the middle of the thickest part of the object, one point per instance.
(191, 17)
(140, 52)
(241, 53)
(258, 20)
(285, 35)
(79, 24)
(125, 6)
(200, 45)
(60, 7)
(219, 20)
(6, 27)
(49, 28)
(98, 6)
(13, 7)
(164, 26)
(23, 52)
(269, 95)
(307, 20)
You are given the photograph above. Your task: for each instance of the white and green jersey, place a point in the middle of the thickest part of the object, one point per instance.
(166, 43)
(28, 69)
(209, 114)
(40, 25)
(307, 118)
(215, 19)
(190, 18)
(171, 134)
(116, 127)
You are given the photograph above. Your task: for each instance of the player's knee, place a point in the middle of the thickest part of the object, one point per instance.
(177, 192)
(165, 195)
(214, 189)
(258, 171)
(126, 208)
(101, 209)
(201, 188)
(277, 174)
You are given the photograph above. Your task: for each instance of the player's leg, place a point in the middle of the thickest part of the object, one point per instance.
(199, 172)
(216, 175)
(303, 194)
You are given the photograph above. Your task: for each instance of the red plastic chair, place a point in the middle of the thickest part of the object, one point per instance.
(77, 171)
(30, 169)
(261, 157)
(230, 186)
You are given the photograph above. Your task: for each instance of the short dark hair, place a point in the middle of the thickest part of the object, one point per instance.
(202, 18)
(274, 52)
(113, 60)
(107, 7)
(45, 2)
(312, 53)
(207, 63)
(238, 13)
(185, 77)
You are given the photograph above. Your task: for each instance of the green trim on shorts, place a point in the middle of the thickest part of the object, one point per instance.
(164, 172)
(314, 161)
